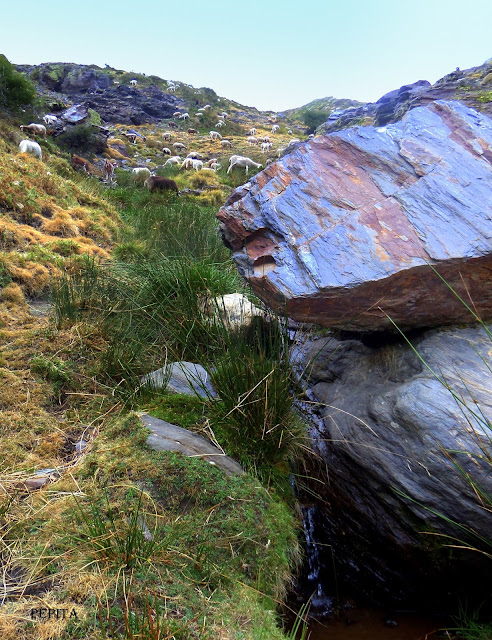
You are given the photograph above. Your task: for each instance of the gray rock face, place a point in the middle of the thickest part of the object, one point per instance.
(341, 230)
(168, 437)
(397, 443)
(471, 87)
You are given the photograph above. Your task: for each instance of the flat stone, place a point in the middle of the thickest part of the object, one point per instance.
(169, 437)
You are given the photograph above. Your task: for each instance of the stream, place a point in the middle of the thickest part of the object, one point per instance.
(352, 622)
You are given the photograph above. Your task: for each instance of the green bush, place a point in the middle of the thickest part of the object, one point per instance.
(82, 139)
(313, 118)
(15, 89)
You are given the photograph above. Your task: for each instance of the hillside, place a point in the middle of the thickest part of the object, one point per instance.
(102, 282)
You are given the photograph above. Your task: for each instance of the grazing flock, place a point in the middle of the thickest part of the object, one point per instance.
(173, 143)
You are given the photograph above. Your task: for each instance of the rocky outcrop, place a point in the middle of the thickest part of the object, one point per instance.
(95, 88)
(398, 442)
(129, 105)
(472, 87)
(341, 231)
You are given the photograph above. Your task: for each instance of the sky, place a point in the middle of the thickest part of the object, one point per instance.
(273, 55)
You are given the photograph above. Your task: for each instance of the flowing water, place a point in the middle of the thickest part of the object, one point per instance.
(352, 622)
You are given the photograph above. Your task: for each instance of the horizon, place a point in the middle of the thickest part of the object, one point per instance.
(270, 58)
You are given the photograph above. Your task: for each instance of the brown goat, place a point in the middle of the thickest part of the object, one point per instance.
(80, 163)
(156, 183)
(192, 132)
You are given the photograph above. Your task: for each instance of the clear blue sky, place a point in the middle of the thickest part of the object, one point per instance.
(268, 54)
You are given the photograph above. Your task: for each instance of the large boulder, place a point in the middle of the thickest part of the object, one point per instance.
(404, 445)
(341, 230)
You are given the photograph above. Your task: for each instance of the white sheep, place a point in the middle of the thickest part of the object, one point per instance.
(179, 146)
(187, 163)
(31, 147)
(226, 143)
(251, 140)
(224, 114)
(280, 151)
(290, 132)
(242, 161)
(172, 160)
(172, 88)
(167, 135)
(220, 124)
(211, 162)
(275, 128)
(141, 173)
(49, 120)
(133, 83)
(265, 147)
(206, 106)
(197, 164)
(215, 166)
(184, 116)
(215, 135)
(293, 141)
(252, 131)
(167, 151)
(195, 155)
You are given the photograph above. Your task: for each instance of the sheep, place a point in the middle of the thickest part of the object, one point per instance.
(109, 166)
(275, 128)
(195, 155)
(266, 146)
(280, 151)
(34, 129)
(226, 143)
(215, 135)
(290, 132)
(179, 146)
(192, 132)
(224, 114)
(166, 151)
(215, 166)
(220, 124)
(183, 116)
(251, 140)
(265, 139)
(252, 131)
(176, 114)
(197, 164)
(167, 135)
(293, 141)
(242, 161)
(80, 163)
(187, 163)
(172, 88)
(156, 183)
(133, 83)
(206, 106)
(140, 174)
(31, 147)
(48, 119)
(211, 162)
(172, 161)
(310, 136)
(132, 137)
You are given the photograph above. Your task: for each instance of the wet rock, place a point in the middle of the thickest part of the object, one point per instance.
(341, 231)
(398, 445)
(168, 437)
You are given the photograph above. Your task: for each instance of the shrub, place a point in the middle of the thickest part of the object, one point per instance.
(313, 118)
(15, 89)
(81, 138)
